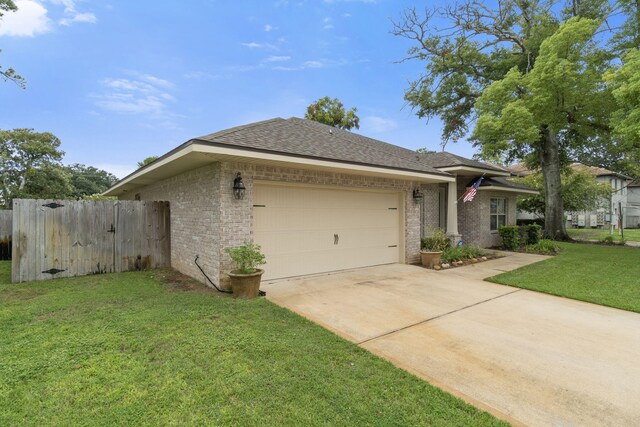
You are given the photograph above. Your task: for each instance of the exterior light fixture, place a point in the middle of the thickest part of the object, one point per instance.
(417, 195)
(238, 187)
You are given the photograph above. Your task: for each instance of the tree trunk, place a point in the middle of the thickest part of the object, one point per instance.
(554, 225)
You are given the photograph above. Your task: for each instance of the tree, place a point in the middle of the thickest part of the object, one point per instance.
(525, 73)
(580, 192)
(332, 112)
(424, 150)
(9, 74)
(88, 180)
(146, 161)
(22, 151)
(48, 181)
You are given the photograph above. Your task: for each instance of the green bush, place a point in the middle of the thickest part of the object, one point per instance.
(533, 233)
(436, 242)
(544, 246)
(246, 258)
(510, 235)
(460, 253)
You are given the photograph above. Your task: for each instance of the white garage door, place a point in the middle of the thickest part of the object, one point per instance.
(307, 230)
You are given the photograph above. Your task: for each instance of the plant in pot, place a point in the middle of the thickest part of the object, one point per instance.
(245, 279)
(432, 247)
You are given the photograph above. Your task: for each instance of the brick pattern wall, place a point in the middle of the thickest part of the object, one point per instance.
(195, 198)
(474, 217)
(430, 215)
(206, 218)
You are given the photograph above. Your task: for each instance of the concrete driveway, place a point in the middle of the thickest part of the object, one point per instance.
(526, 357)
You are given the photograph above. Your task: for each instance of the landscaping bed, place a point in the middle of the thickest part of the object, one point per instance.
(157, 348)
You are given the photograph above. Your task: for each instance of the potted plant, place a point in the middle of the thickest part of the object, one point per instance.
(432, 247)
(245, 279)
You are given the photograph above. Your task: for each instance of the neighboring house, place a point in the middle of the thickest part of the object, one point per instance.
(633, 203)
(604, 215)
(317, 198)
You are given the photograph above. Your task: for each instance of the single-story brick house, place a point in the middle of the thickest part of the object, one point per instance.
(317, 199)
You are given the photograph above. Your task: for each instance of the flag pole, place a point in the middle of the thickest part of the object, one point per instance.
(459, 198)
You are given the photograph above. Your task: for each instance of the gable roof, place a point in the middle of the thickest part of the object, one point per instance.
(306, 138)
(444, 159)
(289, 142)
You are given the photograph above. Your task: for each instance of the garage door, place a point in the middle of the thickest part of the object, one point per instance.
(307, 230)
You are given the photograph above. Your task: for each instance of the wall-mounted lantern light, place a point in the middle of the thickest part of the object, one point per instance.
(238, 187)
(417, 195)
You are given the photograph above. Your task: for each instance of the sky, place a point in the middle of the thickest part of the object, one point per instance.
(118, 81)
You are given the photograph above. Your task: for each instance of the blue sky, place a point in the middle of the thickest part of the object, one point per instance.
(118, 81)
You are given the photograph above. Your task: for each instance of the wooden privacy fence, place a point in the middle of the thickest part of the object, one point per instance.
(5, 234)
(61, 238)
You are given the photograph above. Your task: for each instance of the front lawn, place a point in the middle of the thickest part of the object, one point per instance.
(630, 234)
(159, 349)
(606, 275)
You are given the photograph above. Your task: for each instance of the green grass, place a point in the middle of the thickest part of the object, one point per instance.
(606, 275)
(158, 349)
(630, 234)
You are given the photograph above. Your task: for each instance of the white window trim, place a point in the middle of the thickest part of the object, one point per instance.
(505, 214)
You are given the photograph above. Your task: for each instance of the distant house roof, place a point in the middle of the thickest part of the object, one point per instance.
(443, 159)
(521, 170)
(306, 138)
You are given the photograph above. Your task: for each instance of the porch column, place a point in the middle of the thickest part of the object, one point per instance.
(452, 212)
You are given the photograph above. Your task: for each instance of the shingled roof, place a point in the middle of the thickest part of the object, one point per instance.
(444, 159)
(305, 138)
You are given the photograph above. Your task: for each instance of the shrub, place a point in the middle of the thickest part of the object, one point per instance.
(533, 233)
(510, 235)
(246, 258)
(436, 242)
(460, 253)
(544, 246)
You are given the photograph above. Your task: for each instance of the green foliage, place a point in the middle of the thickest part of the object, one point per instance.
(534, 231)
(9, 74)
(147, 160)
(22, 152)
(580, 192)
(436, 241)
(88, 180)
(332, 112)
(246, 258)
(606, 275)
(459, 253)
(510, 236)
(424, 150)
(544, 247)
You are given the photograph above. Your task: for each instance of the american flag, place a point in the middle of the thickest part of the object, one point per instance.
(471, 191)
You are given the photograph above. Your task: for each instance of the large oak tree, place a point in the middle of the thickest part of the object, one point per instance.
(526, 78)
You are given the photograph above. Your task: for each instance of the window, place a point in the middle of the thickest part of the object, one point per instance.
(498, 213)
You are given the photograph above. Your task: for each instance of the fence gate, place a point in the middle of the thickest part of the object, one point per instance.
(5, 234)
(62, 238)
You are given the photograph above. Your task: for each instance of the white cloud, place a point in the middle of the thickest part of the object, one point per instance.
(32, 17)
(252, 45)
(275, 58)
(269, 28)
(144, 95)
(327, 23)
(202, 75)
(28, 21)
(71, 14)
(379, 124)
(313, 64)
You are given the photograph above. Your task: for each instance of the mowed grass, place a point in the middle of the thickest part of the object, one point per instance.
(606, 275)
(630, 234)
(159, 349)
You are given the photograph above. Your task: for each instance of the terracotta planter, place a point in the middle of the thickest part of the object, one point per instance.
(245, 286)
(430, 259)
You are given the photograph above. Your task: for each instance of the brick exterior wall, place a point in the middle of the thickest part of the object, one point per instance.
(206, 218)
(430, 216)
(195, 198)
(474, 217)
